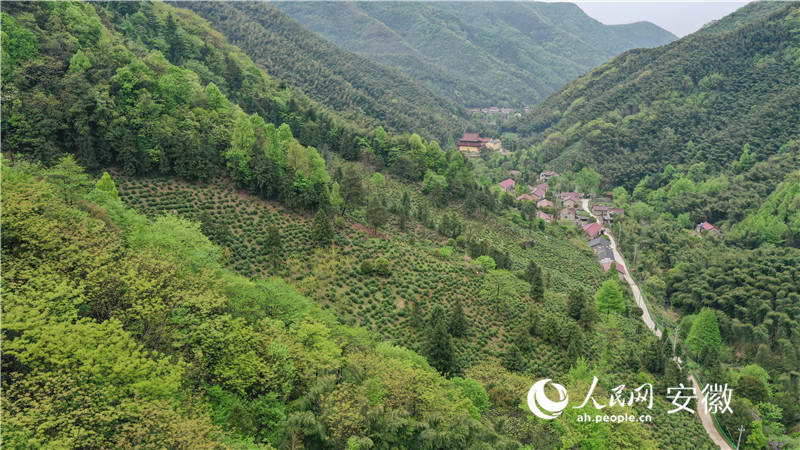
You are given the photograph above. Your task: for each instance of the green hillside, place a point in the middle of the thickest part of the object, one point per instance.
(354, 86)
(701, 99)
(477, 53)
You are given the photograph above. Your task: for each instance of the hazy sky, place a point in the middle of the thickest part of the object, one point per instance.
(681, 18)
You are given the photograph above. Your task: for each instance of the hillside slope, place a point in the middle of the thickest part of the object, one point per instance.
(477, 53)
(701, 99)
(352, 85)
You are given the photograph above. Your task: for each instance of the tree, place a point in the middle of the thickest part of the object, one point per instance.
(352, 189)
(705, 331)
(382, 266)
(458, 323)
(609, 297)
(68, 179)
(405, 210)
(365, 267)
(105, 183)
(653, 356)
(376, 214)
(486, 262)
(533, 275)
(438, 345)
(513, 359)
(321, 230)
(757, 440)
(576, 302)
(273, 245)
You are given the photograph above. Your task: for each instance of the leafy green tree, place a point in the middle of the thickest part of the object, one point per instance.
(486, 262)
(68, 179)
(704, 331)
(79, 62)
(438, 344)
(756, 440)
(382, 266)
(609, 297)
(321, 230)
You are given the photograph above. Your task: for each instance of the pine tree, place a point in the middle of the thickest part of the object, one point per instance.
(351, 189)
(458, 322)
(589, 314)
(653, 356)
(513, 359)
(376, 214)
(273, 245)
(321, 229)
(609, 297)
(416, 315)
(405, 210)
(105, 183)
(704, 331)
(575, 304)
(438, 345)
(533, 275)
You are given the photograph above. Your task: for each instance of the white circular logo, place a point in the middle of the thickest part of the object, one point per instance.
(538, 401)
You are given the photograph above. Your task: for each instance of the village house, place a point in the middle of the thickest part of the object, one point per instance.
(515, 173)
(568, 214)
(607, 213)
(599, 242)
(620, 268)
(708, 228)
(538, 193)
(528, 197)
(569, 203)
(494, 144)
(544, 216)
(508, 185)
(604, 255)
(546, 175)
(544, 203)
(593, 230)
(543, 186)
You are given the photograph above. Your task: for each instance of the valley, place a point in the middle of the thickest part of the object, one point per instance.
(279, 225)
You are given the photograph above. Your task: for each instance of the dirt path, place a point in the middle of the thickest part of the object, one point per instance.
(705, 417)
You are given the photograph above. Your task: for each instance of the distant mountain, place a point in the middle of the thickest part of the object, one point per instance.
(701, 99)
(477, 53)
(357, 87)
(643, 34)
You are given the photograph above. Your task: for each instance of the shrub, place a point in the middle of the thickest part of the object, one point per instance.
(366, 267)
(382, 266)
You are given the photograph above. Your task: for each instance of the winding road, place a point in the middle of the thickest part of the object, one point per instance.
(705, 418)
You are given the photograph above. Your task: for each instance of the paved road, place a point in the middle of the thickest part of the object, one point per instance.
(705, 418)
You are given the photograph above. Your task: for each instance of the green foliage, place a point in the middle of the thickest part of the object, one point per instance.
(382, 266)
(438, 345)
(517, 67)
(704, 332)
(609, 297)
(486, 262)
(321, 231)
(105, 183)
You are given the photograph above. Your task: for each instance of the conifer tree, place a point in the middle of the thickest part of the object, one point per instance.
(105, 183)
(533, 275)
(321, 229)
(575, 303)
(458, 323)
(273, 245)
(376, 213)
(513, 359)
(438, 345)
(609, 297)
(704, 331)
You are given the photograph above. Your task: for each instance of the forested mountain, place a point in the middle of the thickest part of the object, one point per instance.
(244, 267)
(356, 87)
(701, 99)
(701, 134)
(477, 53)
